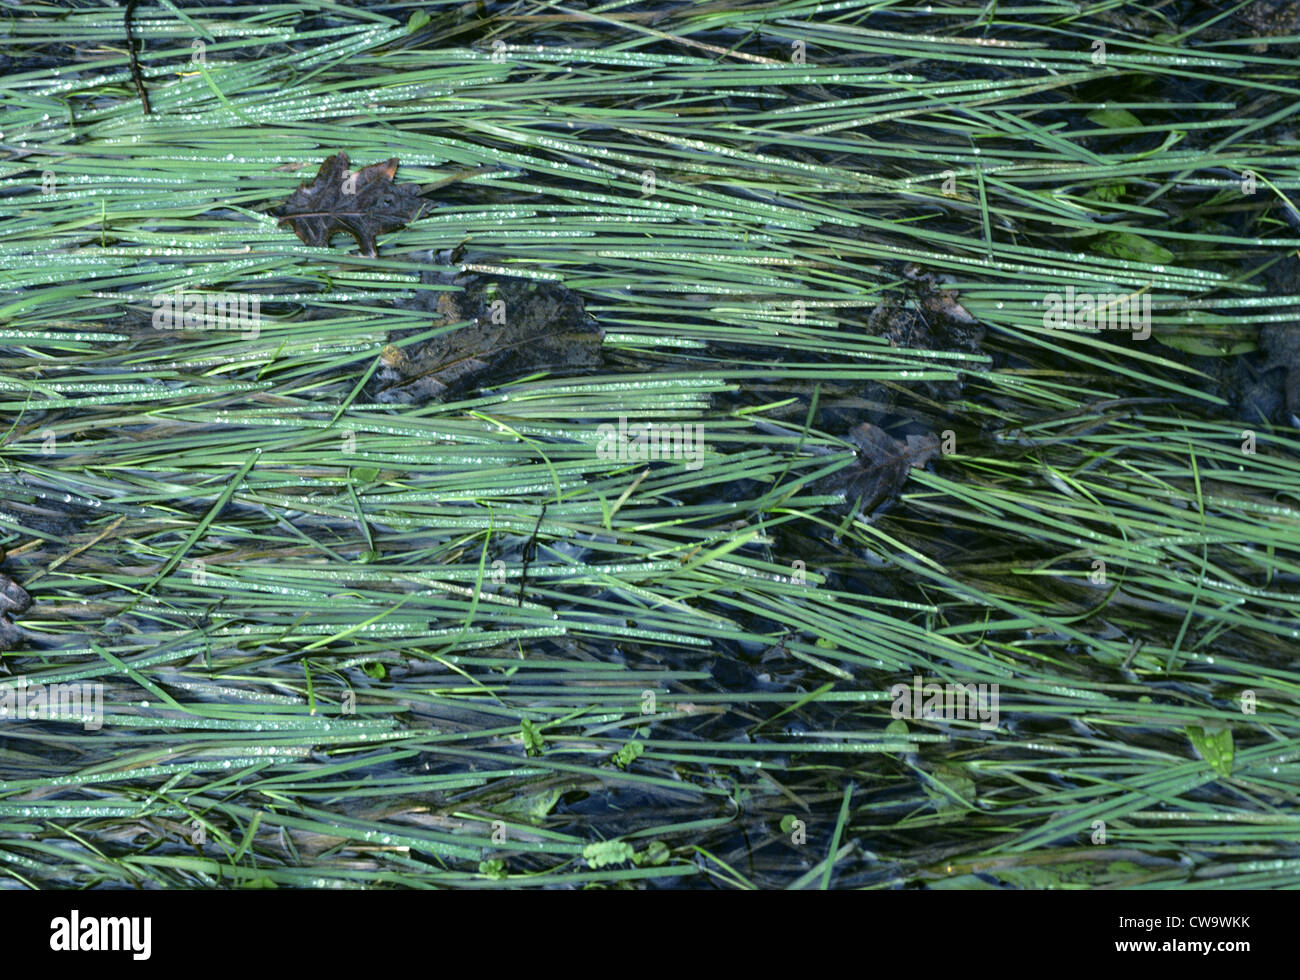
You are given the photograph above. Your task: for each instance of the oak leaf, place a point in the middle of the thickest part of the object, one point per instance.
(509, 328)
(362, 204)
(882, 466)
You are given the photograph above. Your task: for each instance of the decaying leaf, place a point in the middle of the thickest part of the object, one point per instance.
(1272, 17)
(363, 205)
(950, 789)
(1282, 343)
(13, 599)
(937, 300)
(516, 327)
(882, 466)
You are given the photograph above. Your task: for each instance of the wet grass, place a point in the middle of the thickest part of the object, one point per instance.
(321, 664)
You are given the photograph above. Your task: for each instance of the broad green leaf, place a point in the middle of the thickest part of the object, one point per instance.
(1214, 745)
(1113, 118)
(656, 853)
(1203, 343)
(1107, 192)
(533, 807)
(960, 788)
(1134, 248)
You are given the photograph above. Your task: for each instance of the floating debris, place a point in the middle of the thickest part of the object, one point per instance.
(516, 327)
(13, 599)
(362, 204)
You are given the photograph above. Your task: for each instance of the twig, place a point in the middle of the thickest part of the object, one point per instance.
(530, 552)
(135, 65)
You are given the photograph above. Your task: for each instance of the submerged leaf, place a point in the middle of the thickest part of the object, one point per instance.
(494, 868)
(1214, 745)
(516, 328)
(533, 808)
(363, 205)
(940, 301)
(629, 753)
(1204, 343)
(1113, 118)
(656, 853)
(1106, 192)
(1135, 248)
(883, 464)
(1282, 343)
(534, 743)
(13, 599)
(950, 789)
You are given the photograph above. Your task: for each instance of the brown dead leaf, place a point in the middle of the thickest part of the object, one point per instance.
(363, 205)
(937, 300)
(882, 466)
(517, 327)
(1281, 342)
(13, 599)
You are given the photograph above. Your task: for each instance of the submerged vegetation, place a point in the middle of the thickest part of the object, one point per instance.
(382, 590)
